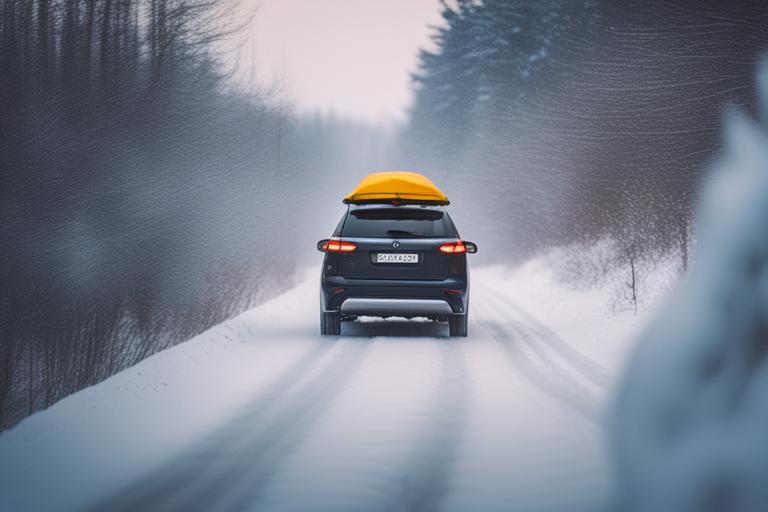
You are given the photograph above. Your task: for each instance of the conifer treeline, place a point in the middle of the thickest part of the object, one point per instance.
(573, 120)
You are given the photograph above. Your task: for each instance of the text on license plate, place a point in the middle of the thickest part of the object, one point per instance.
(388, 257)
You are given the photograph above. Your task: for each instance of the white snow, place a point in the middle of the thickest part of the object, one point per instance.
(262, 412)
(582, 316)
(691, 421)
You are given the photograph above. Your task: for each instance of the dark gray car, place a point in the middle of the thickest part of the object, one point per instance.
(395, 260)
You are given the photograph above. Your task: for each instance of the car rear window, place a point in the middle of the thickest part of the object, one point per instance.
(398, 223)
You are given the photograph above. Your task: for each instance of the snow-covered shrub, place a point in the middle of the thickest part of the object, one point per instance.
(690, 424)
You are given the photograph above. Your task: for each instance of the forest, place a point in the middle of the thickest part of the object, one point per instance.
(576, 122)
(139, 189)
(134, 188)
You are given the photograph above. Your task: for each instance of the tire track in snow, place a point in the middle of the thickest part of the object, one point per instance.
(425, 477)
(539, 362)
(545, 376)
(591, 370)
(231, 469)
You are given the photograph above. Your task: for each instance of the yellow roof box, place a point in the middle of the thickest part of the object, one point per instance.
(408, 187)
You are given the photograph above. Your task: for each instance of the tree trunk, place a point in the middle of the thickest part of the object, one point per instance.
(633, 283)
(683, 226)
(43, 34)
(104, 47)
(69, 57)
(90, 13)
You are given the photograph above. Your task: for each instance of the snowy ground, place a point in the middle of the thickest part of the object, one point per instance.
(261, 413)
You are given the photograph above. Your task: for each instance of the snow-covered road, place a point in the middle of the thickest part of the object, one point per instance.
(262, 413)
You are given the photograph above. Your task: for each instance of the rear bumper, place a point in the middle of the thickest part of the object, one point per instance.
(427, 307)
(383, 297)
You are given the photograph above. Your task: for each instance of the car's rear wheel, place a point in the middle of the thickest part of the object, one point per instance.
(330, 324)
(457, 325)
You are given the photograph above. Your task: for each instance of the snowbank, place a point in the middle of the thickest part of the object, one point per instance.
(90, 444)
(582, 316)
(691, 420)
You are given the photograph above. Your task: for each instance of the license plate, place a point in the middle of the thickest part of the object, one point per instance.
(397, 257)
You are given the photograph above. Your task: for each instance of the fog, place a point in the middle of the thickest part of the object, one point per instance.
(168, 164)
(351, 59)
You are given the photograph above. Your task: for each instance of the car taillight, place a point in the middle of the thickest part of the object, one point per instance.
(453, 247)
(339, 246)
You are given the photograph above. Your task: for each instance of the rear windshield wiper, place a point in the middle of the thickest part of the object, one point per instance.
(405, 234)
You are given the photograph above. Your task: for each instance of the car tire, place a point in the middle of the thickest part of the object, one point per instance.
(330, 324)
(457, 325)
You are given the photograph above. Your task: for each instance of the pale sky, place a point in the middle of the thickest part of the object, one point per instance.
(352, 57)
